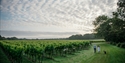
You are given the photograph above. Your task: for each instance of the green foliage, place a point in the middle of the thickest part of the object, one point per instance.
(3, 57)
(37, 50)
(2, 38)
(99, 20)
(118, 45)
(122, 45)
(121, 9)
(85, 36)
(112, 29)
(9, 38)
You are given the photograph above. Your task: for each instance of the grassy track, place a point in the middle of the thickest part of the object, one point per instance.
(114, 55)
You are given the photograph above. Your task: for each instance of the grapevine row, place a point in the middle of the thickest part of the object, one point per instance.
(38, 50)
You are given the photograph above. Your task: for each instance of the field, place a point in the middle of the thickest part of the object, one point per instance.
(81, 54)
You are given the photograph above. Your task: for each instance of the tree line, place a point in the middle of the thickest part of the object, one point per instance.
(85, 36)
(112, 28)
(9, 38)
(72, 37)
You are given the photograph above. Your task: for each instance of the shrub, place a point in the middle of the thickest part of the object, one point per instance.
(113, 43)
(122, 45)
(118, 45)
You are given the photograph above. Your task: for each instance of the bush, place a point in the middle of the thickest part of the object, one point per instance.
(118, 45)
(110, 42)
(113, 43)
(122, 45)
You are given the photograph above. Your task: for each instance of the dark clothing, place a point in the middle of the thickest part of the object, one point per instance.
(94, 50)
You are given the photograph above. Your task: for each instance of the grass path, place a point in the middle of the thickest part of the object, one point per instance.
(114, 55)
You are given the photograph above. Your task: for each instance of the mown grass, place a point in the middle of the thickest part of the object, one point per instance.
(114, 55)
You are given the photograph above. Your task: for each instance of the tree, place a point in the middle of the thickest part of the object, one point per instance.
(12, 38)
(77, 36)
(112, 29)
(121, 9)
(85, 36)
(2, 38)
(101, 25)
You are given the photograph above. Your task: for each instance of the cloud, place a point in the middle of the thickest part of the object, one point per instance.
(43, 10)
(30, 15)
(23, 34)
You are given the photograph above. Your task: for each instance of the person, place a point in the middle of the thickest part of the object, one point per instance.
(94, 48)
(98, 47)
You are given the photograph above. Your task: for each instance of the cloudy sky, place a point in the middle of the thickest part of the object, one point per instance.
(51, 18)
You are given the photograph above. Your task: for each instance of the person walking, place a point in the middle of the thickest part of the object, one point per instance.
(94, 48)
(98, 48)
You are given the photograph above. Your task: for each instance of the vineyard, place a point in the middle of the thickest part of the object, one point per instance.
(38, 50)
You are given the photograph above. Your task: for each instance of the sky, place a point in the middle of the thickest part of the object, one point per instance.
(51, 18)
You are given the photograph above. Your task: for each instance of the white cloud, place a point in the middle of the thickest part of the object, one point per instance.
(23, 34)
(30, 15)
